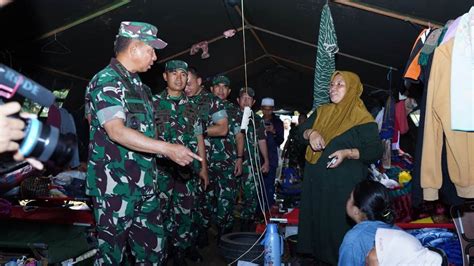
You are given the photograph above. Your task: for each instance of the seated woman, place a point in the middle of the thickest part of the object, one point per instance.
(370, 207)
(397, 247)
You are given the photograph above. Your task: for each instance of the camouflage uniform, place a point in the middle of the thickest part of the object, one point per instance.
(177, 122)
(249, 188)
(221, 168)
(210, 110)
(121, 181)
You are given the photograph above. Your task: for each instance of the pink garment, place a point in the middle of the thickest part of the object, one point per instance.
(401, 124)
(229, 33)
(200, 46)
(401, 117)
(451, 30)
(54, 116)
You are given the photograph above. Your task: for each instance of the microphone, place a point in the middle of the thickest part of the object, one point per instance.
(12, 82)
(245, 119)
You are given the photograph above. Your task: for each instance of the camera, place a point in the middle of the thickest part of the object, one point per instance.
(41, 141)
(46, 143)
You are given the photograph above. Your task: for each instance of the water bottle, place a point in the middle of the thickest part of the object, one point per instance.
(273, 243)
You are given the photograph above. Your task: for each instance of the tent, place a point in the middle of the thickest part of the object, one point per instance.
(62, 44)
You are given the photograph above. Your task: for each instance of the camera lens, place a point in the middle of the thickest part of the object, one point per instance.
(45, 143)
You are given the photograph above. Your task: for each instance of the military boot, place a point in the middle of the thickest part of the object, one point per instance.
(193, 254)
(202, 239)
(179, 257)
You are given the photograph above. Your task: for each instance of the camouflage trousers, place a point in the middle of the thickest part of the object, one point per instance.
(201, 217)
(224, 186)
(206, 205)
(178, 204)
(132, 220)
(249, 192)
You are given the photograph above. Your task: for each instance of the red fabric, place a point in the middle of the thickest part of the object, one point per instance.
(59, 215)
(293, 216)
(54, 116)
(401, 117)
(424, 225)
(402, 206)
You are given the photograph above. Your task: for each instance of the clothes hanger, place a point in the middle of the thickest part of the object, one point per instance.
(55, 47)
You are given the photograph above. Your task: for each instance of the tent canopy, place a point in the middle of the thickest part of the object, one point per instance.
(62, 44)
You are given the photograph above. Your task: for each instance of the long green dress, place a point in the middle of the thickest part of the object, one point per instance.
(323, 221)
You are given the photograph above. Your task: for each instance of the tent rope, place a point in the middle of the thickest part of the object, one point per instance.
(244, 43)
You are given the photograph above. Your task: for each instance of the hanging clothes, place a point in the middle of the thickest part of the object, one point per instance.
(325, 58)
(462, 75)
(451, 30)
(460, 145)
(447, 191)
(413, 68)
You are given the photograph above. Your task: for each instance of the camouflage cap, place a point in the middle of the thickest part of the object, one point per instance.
(247, 90)
(141, 31)
(176, 64)
(221, 79)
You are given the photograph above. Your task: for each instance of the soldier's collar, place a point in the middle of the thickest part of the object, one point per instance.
(115, 64)
(175, 98)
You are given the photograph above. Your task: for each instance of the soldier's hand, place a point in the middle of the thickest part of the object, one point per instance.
(181, 155)
(238, 167)
(265, 167)
(203, 174)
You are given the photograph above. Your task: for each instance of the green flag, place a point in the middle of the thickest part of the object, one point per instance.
(325, 58)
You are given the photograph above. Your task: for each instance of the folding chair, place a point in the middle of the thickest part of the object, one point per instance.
(463, 217)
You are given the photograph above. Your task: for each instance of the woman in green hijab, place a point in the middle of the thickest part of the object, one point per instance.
(342, 140)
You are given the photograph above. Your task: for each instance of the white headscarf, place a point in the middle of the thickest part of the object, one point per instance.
(397, 247)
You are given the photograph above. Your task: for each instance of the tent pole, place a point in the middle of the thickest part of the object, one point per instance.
(291, 61)
(62, 73)
(255, 35)
(388, 13)
(288, 61)
(84, 19)
(189, 49)
(241, 66)
(315, 46)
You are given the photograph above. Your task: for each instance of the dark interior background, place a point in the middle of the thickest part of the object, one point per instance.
(62, 44)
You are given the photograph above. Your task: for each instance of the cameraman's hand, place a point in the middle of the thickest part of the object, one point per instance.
(19, 157)
(33, 162)
(11, 129)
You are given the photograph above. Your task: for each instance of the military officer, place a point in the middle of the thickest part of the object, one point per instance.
(226, 158)
(122, 169)
(178, 122)
(250, 176)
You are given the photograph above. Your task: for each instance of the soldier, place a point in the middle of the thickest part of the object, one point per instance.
(249, 186)
(178, 122)
(214, 118)
(122, 169)
(226, 159)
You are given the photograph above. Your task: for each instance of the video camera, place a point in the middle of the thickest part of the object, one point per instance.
(41, 141)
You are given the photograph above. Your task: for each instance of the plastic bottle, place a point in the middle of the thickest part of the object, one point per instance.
(273, 243)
